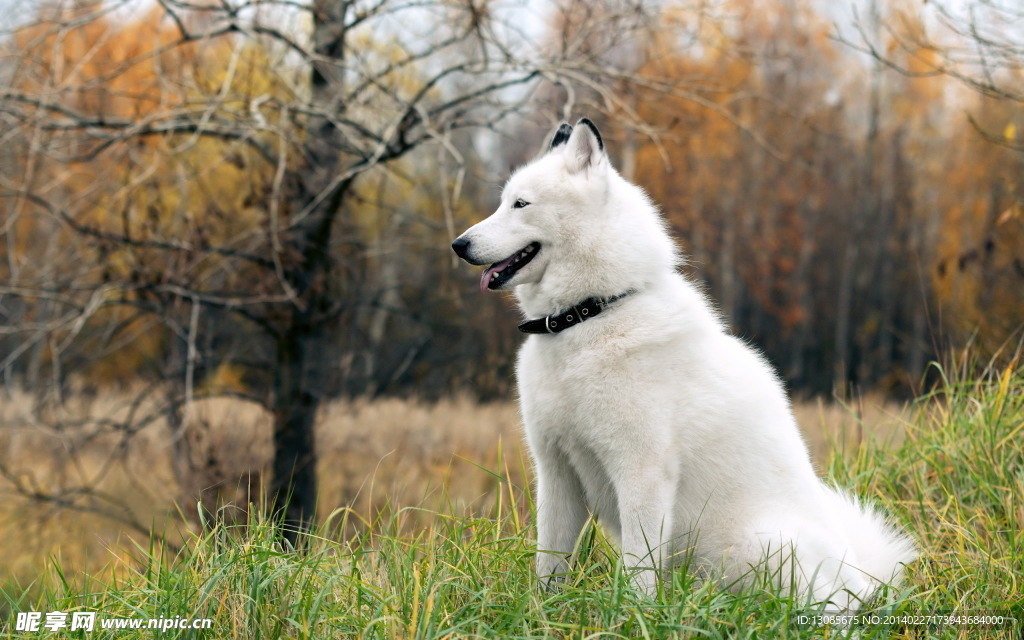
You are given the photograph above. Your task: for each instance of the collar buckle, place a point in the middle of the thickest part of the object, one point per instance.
(558, 322)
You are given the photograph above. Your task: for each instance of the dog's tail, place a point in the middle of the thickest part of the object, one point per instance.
(881, 549)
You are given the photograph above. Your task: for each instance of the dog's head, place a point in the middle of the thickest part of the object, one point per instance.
(544, 206)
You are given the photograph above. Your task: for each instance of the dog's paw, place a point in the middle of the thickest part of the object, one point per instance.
(552, 583)
(645, 581)
(552, 571)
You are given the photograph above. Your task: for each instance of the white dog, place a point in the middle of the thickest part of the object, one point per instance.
(641, 409)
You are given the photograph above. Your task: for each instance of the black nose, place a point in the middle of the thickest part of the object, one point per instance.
(461, 247)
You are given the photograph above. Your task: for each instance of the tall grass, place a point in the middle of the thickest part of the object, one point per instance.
(955, 481)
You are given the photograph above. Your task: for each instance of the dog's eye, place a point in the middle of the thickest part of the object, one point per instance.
(519, 204)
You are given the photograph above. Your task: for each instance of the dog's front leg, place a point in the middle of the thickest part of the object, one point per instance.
(645, 501)
(561, 514)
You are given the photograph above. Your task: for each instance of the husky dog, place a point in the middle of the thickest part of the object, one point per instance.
(641, 409)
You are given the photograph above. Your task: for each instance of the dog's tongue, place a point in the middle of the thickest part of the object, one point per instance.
(485, 279)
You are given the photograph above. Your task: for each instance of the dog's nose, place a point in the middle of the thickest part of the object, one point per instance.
(461, 247)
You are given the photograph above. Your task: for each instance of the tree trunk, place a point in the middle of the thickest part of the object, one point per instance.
(302, 345)
(847, 280)
(801, 282)
(297, 396)
(300, 371)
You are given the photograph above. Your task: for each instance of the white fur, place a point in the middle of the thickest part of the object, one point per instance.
(677, 435)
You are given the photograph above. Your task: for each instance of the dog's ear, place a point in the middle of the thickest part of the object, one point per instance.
(561, 135)
(585, 148)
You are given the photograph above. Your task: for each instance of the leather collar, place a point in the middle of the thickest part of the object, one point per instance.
(558, 322)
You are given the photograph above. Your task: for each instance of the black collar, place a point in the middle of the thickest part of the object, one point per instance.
(558, 322)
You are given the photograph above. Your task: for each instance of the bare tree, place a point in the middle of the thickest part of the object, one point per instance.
(117, 161)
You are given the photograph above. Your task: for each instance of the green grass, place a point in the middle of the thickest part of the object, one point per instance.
(956, 481)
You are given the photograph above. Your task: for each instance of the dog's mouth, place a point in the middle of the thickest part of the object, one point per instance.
(496, 275)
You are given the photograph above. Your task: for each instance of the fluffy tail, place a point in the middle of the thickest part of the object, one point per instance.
(880, 548)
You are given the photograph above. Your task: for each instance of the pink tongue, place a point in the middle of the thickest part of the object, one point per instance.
(485, 279)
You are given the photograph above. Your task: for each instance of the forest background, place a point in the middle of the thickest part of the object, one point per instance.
(225, 269)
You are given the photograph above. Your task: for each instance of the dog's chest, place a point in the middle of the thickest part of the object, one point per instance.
(568, 423)
(583, 395)
(563, 382)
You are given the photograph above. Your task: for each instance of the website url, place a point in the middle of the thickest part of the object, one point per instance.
(163, 624)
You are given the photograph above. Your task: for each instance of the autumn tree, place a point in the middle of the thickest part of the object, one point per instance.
(976, 46)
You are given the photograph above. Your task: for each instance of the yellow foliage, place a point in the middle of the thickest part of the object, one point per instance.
(150, 191)
(979, 276)
(122, 345)
(226, 377)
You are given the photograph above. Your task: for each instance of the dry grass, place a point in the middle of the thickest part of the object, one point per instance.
(828, 426)
(390, 452)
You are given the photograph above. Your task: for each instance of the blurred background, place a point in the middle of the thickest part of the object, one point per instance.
(225, 272)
